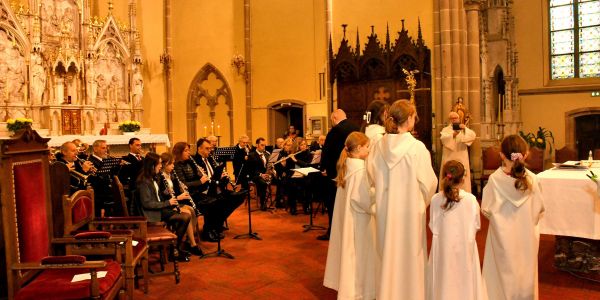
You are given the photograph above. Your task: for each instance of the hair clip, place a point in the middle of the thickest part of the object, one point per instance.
(516, 156)
(448, 176)
(367, 116)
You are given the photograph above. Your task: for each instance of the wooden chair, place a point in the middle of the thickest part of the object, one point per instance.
(596, 154)
(535, 160)
(119, 195)
(157, 237)
(491, 162)
(565, 154)
(79, 218)
(27, 239)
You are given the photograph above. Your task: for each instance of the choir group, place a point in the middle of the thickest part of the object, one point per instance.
(378, 242)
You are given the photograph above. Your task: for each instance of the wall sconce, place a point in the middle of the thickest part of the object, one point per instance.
(239, 63)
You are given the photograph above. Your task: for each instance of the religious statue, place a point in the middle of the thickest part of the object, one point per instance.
(38, 80)
(411, 82)
(461, 110)
(16, 77)
(138, 88)
(101, 88)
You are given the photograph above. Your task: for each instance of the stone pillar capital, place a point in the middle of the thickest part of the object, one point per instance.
(472, 5)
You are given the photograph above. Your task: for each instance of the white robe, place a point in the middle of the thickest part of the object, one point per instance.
(510, 264)
(456, 148)
(453, 268)
(374, 132)
(400, 167)
(350, 267)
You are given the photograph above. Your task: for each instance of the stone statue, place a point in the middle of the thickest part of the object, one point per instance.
(16, 77)
(461, 110)
(102, 86)
(91, 89)
(38, 80)
(137, 89)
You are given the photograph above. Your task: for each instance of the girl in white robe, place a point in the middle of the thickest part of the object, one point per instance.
(375, 118)
(350, 267)
(400, 167)
(453, 268)
(513, 203)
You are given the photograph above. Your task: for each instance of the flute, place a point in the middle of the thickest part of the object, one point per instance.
(281, 160)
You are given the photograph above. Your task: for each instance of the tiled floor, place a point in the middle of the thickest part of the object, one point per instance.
(289, 264)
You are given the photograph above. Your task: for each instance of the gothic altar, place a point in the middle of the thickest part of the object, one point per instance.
(72, 73)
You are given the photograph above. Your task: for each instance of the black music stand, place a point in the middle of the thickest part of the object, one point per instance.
(310, 225)
(250, 234)
(219, 253)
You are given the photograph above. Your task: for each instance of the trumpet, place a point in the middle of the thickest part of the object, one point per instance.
(82, 177)
(82, 161)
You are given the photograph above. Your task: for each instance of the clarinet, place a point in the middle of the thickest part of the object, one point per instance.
(201, 171)
(169, 190)
(184, 189)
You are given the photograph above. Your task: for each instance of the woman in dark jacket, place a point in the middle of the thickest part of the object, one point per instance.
(154, 208)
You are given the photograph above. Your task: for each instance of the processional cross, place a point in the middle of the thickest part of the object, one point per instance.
(411, 82)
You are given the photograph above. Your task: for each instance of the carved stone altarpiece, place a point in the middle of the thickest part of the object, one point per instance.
(68, 71)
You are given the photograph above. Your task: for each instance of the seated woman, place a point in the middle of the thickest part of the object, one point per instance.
(195, 178)
(154, 208)
(169, 187)
(298, 184)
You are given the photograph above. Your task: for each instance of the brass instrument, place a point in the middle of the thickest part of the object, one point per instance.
(82, 177)
(82, 161)
(184, 189)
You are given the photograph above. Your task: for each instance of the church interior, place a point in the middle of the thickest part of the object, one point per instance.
(180, 71)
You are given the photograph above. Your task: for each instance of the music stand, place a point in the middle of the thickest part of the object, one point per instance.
(310, 225)
(219, 253)
(250, 234)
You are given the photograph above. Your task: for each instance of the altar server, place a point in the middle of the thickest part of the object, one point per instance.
(453, 269)
(350, 267)
(513, 203)
(400, 167)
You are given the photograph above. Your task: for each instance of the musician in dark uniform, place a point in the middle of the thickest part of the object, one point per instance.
(240, 157)
(129, 172)
(298, 183)
(102, 182)
(78, 170)
(257, 168)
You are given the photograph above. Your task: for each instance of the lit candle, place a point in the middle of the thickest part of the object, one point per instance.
(212, 128)
(218, 130)
(204, 130)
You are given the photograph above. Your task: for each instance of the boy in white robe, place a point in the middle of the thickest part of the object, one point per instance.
(400, 167)
(350, 267)
(513, 203)
(453, 268)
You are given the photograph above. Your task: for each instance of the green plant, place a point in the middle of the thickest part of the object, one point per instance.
(129, 126)
(18, 123)
(542, 138)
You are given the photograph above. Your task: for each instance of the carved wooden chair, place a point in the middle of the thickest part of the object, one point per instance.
(32, 273)
(79, 219)
(535, 160)
(565, 154)
(119, 195)
(491, 162)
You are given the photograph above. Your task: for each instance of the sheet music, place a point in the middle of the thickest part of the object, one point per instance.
(274, 156)
(88, 276)
(306, 171)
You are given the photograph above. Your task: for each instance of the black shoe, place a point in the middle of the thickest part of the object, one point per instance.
(184, 253)
(209, 237)
(196, 251)
(323, 237)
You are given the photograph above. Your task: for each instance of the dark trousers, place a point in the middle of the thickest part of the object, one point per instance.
(331, 190)
(261, 190)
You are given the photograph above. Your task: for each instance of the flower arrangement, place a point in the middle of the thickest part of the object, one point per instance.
(130, 126)
(539, 139)
(16, 124)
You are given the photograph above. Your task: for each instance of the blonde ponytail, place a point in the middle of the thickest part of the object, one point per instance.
(353, 140)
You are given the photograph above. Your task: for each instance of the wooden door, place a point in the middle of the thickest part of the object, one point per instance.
(71, 121)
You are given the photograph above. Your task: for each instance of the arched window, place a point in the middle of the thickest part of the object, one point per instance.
(574, 39)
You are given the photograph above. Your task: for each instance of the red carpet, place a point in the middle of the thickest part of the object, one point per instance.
(289, 264)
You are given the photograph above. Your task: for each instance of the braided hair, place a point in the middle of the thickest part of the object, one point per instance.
(453, 174)
(514, 148)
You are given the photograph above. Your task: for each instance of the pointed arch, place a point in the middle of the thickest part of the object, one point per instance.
(197, 92)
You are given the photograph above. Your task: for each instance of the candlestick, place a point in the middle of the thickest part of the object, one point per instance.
(205, 130)
(218, 130)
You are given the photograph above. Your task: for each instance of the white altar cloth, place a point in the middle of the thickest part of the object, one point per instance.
(572, 203)
(115, 139)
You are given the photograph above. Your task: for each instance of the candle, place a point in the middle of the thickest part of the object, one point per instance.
(212, 127)
(218, 130)
(205, 130)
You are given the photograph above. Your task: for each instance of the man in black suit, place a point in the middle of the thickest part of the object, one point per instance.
(102, 183)
(216, 186)
(129, 172)
(257, 168)
(242, 149)
(334, 144)
(78, 170)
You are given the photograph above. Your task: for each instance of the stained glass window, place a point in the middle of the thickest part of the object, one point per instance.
(574, 38)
